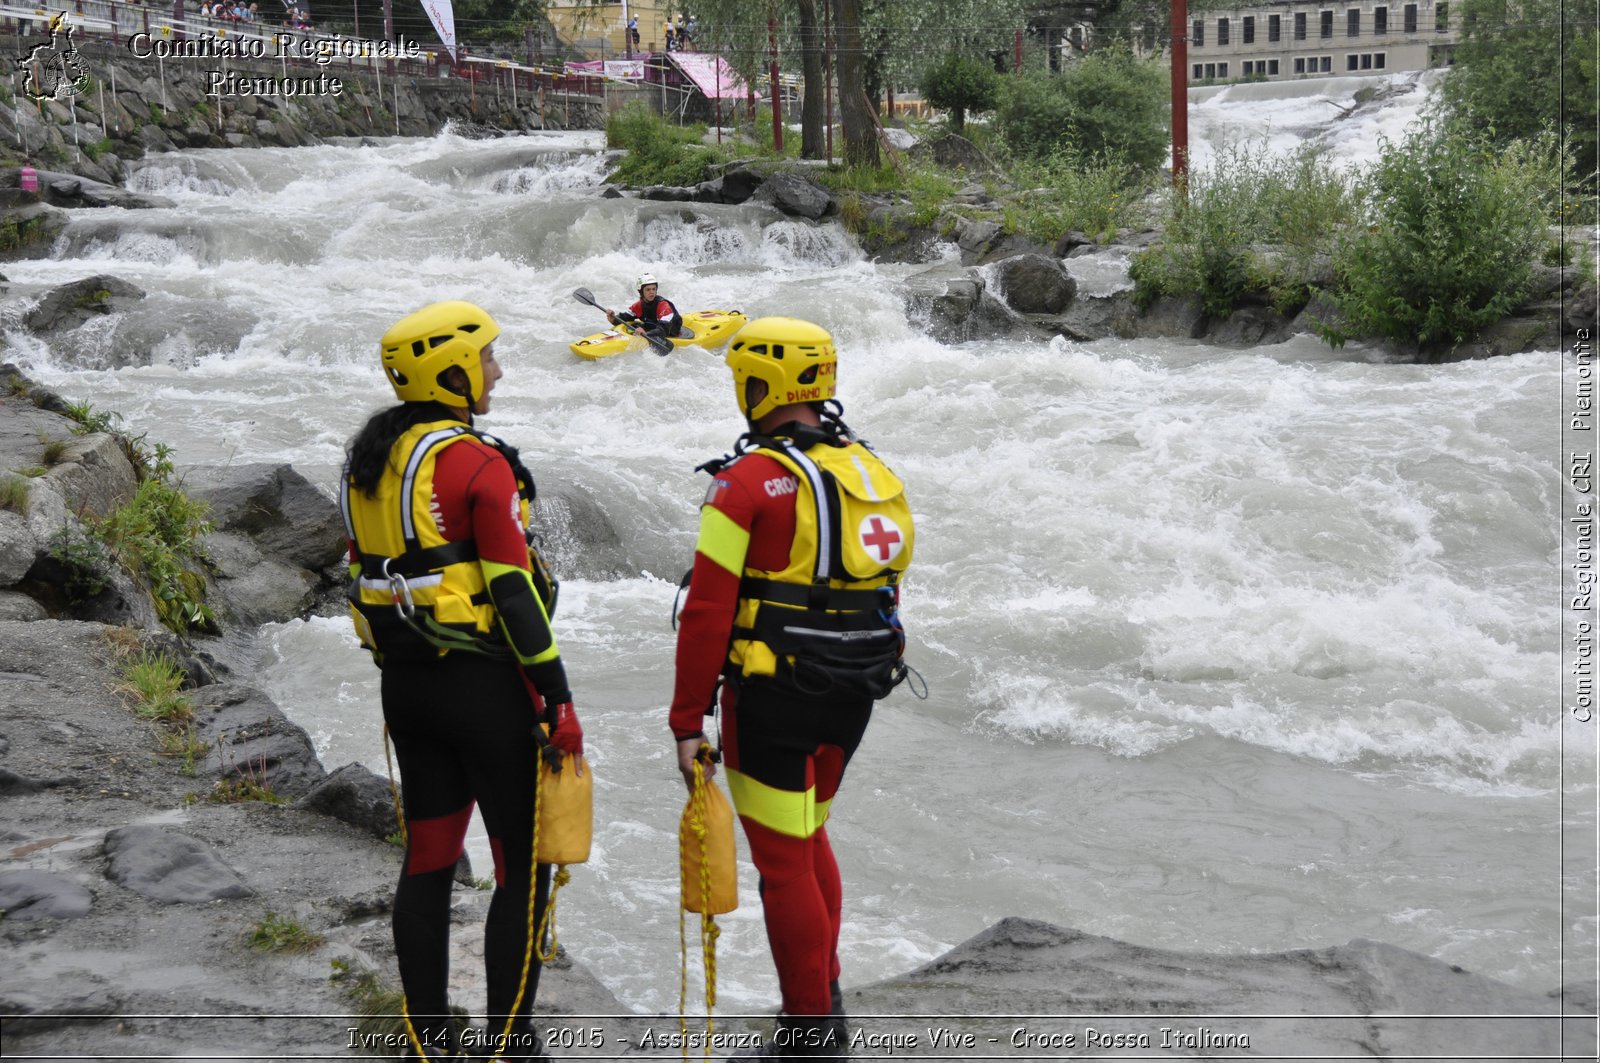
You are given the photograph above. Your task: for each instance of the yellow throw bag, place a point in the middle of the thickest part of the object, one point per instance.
(566, 812)
(706, 858)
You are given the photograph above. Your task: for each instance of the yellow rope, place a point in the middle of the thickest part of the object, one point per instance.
(709, 931)
(533, 892)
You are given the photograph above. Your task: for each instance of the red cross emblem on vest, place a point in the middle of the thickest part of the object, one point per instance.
(881, 537)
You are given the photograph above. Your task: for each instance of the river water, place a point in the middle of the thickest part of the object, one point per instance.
(1227, 650)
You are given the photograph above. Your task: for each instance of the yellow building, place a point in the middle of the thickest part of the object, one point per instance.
(600, 30)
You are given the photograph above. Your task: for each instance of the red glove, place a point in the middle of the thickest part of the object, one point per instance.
(566, 733)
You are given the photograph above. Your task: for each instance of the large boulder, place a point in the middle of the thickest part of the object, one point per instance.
(251, 742)
(169, 867)
(74, 190)
(249, 588)
(67, 307)
(797, 196)
(1035, 284)
(955, 152)
(28, 895)
(284, 514)
(356, 796)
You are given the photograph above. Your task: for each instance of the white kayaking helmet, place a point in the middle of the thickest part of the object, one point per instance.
(646, 278)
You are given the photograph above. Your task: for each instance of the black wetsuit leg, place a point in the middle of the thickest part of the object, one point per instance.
(462, 728)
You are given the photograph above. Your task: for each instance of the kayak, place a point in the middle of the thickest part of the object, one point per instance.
(704, 328)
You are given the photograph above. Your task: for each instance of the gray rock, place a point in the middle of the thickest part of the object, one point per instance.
(737, 185)
(28, 895)
(1070, 241)
(62, 1001)
(356, 796)
(953, 151)
(797, 196)
(94, 476)
(17, 606)
(282, 512)
(70, 305)
(72, 190)
(250, 589)
(1581, 310)
(1365, 998)
(1173, 318)
(169, 867)
(37, 225)
(975, 238)
(1095, 317)
(668, 194)
(1036, 284)
(252, 741)
(574, 534)
(1250, 326)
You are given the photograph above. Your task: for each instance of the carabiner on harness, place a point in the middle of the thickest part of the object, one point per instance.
(404, 606)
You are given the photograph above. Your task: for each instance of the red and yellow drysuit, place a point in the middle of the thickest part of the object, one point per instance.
(793, 599)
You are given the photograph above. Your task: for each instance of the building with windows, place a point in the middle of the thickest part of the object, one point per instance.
(1314, 38)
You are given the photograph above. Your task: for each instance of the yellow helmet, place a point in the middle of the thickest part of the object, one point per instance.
(794, 358)
(419, 347)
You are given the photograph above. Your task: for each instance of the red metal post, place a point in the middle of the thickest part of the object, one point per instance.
(1180, 92)
(777, 101)
(1016, 62)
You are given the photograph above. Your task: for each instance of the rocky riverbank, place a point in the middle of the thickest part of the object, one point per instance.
(983, 281)
(225, 900)
(136, 106)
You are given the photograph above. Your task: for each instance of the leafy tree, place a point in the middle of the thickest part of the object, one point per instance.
(1453, 227)
(1110, 104)
(958, 84)
(1526, 65)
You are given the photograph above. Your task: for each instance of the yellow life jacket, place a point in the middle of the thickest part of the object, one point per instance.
(828, 621)
(412, 591)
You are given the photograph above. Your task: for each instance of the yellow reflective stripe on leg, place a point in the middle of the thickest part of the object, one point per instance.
(793, 812)
(722, 540)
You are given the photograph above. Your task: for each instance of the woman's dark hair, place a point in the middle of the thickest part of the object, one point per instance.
(368, 453)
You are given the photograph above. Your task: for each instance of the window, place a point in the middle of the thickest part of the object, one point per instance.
(1199, 39)
(1411, 18)
(1222, 70)
(1380, 21)
(1352, 23)
(1300, 26)
(1366, 60)
(1211, 71)
(1299, 66)
(1197, 74)
(1222, 31)
(1350, 61)
(1272, 67)
(1377, 61)
(1441, 22)
(1249, 35)
(1249, 68)
(1274, 28)
(1327, 25)
(1327, 64)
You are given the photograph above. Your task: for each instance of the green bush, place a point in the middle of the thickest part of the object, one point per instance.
(1452, 228)
(1110, 104)
(1521, 65)
(659, 153)
(14, 494)
(1069, 191)
(959, 84)
(84, 558)
(157, 537)
(1217, 229)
